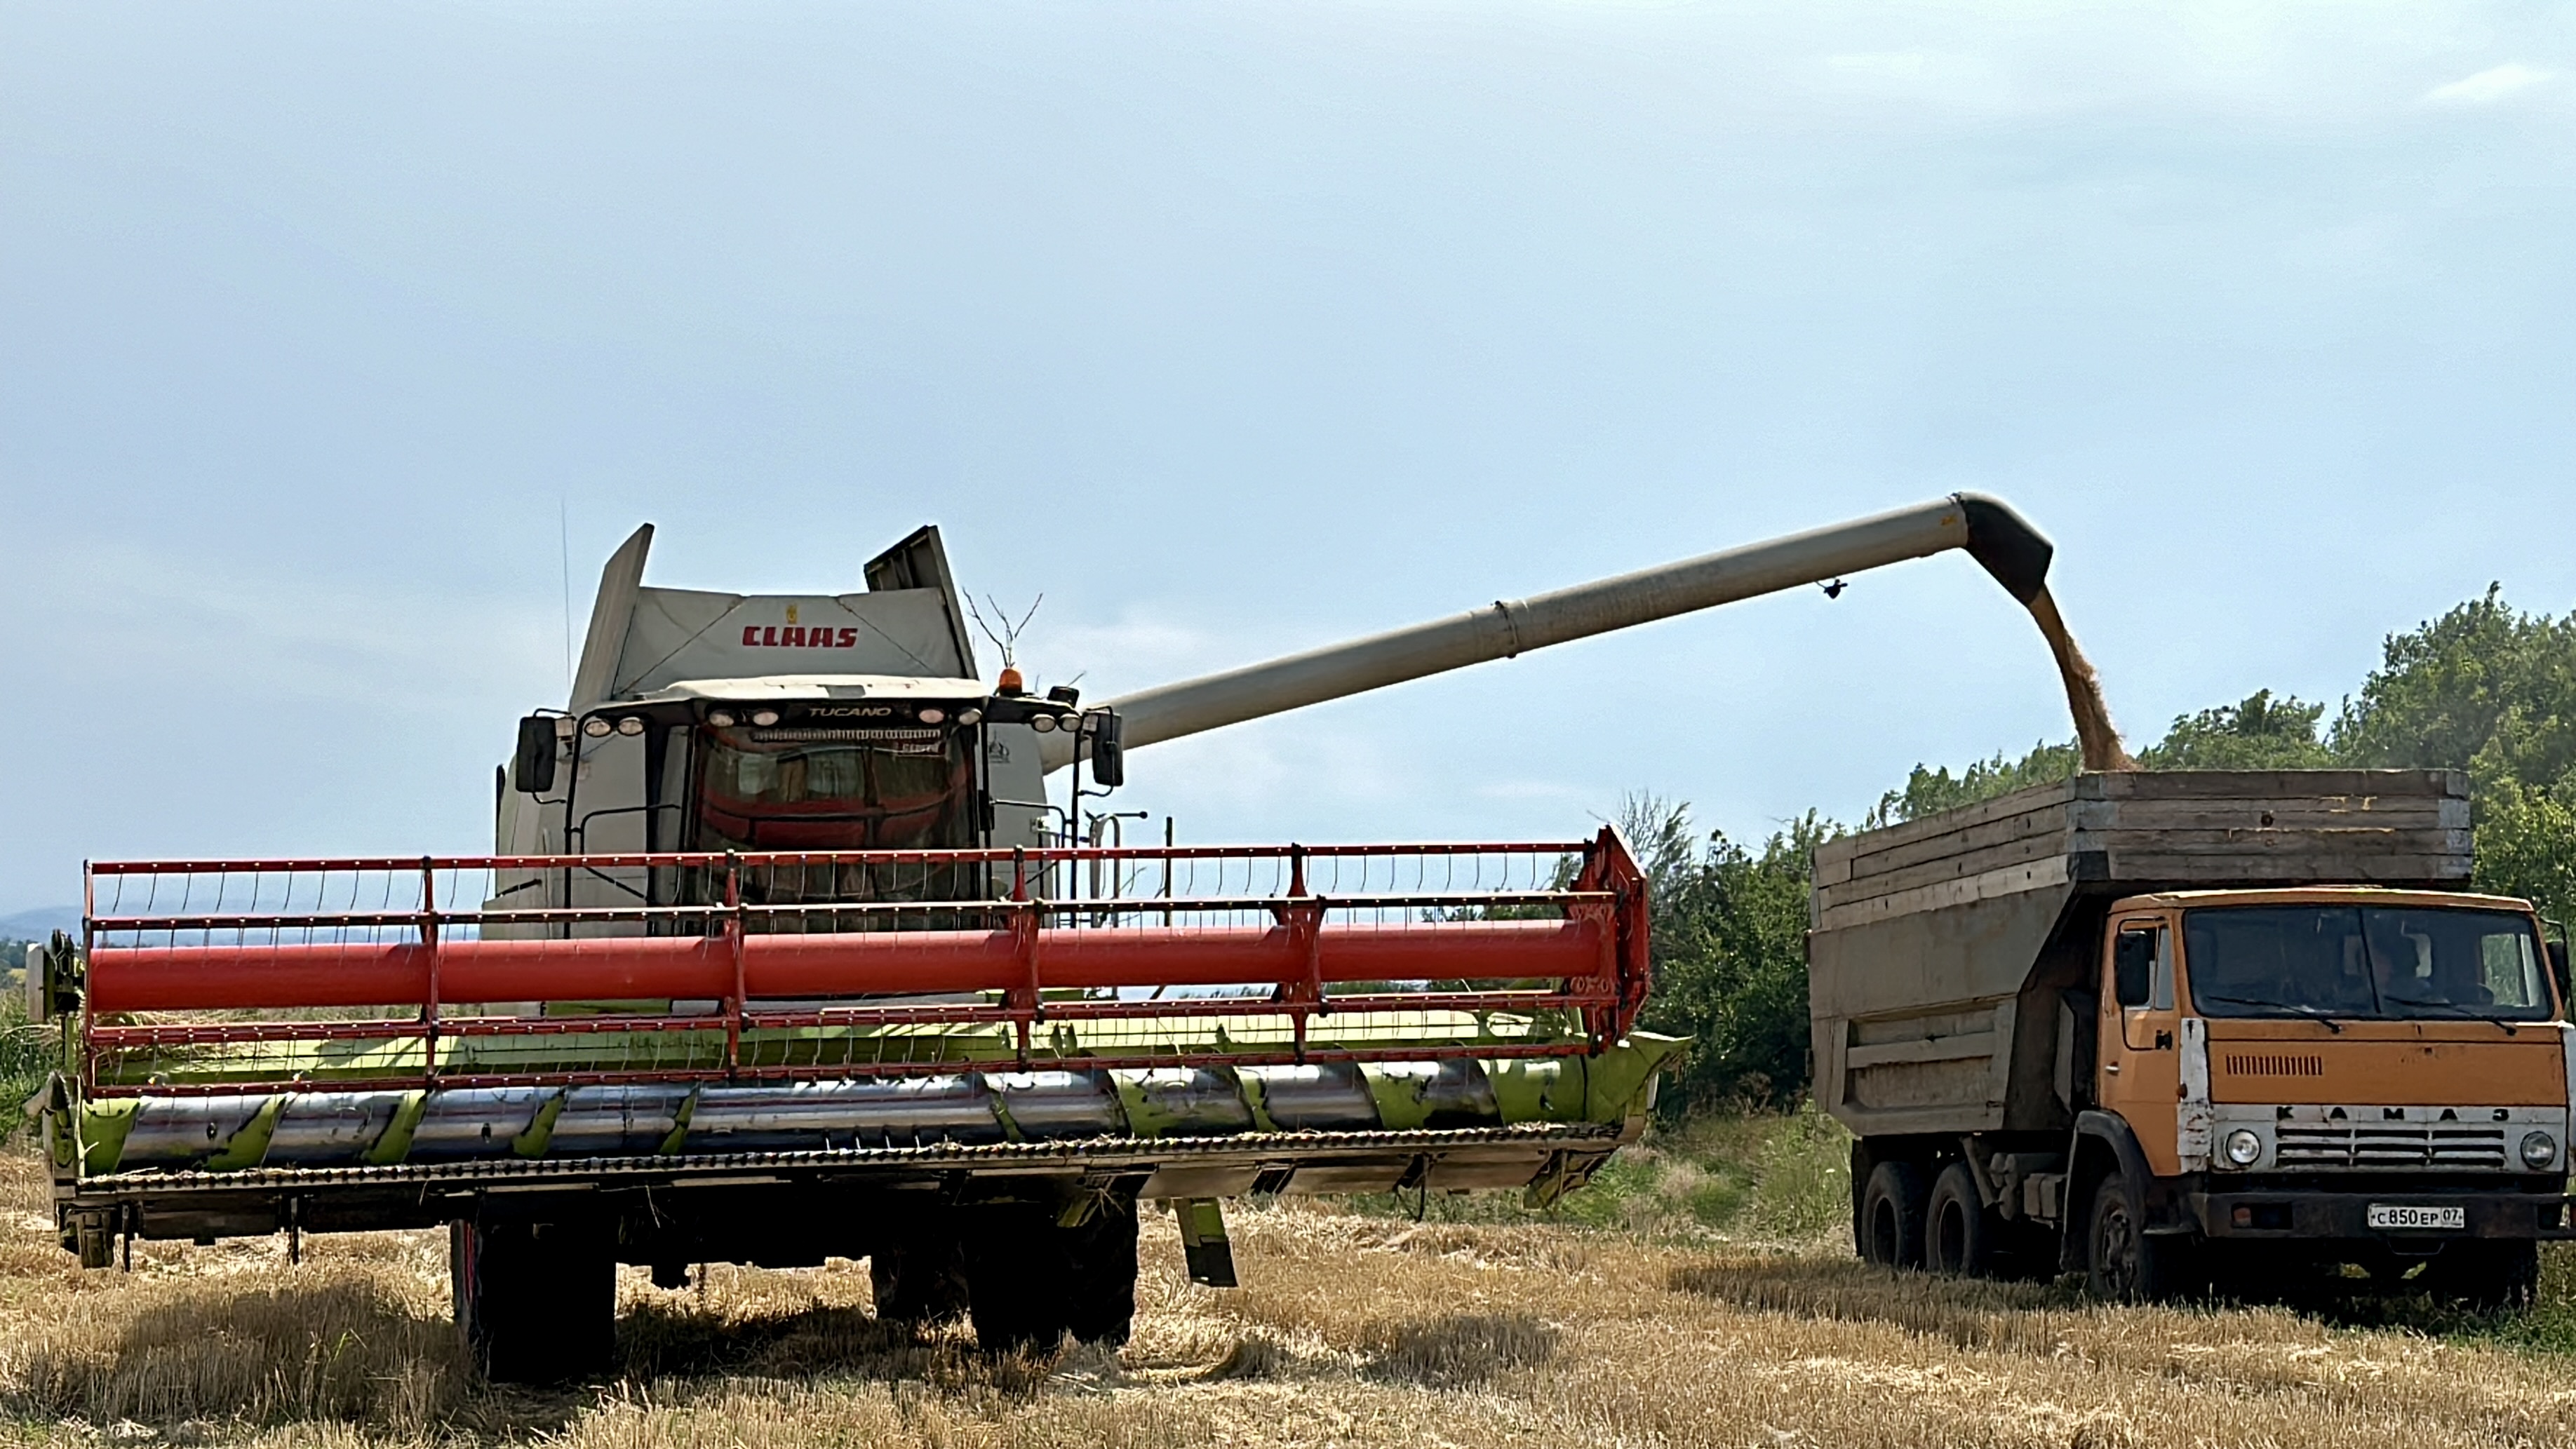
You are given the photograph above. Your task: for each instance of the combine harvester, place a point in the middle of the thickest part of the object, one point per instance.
(786, 954)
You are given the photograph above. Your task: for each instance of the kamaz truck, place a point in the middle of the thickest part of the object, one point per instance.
(789, 948)
(2196, 1029)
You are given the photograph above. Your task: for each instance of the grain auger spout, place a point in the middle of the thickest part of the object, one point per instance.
(1987, 528)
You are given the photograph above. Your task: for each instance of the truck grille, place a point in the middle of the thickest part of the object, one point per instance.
(2268, 1064)
(2389, 1144)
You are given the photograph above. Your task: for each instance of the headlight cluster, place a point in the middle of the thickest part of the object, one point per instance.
(2244, 1147)
(2539, 1149)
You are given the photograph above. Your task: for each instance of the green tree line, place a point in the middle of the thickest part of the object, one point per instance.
(2484, 688)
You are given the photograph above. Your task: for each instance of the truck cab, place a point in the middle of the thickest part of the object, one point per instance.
(2377, 1074)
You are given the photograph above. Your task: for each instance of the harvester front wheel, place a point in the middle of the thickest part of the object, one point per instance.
(919, 1278)
(536, 1301)
(1031, 1279)
(1102, 1308)
(1016, 1278)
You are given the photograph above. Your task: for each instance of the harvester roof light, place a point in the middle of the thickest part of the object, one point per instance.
(596, 728)
(633, 724)
(1043, 724)
(764, 717)
(721, 718)
(932, 714)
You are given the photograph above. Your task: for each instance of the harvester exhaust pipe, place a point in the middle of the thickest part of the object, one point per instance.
(1991, 532)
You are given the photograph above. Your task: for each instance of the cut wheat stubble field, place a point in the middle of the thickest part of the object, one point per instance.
(1353, 1330)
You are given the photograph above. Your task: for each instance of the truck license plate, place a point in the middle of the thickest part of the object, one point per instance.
(2409, 1215)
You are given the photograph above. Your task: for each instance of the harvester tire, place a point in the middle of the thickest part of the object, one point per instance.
(536, 1301)
(1031, 1280)
(1102, 1308)
(1891, 1215)
(919, 1278)
(1958, 1233)
(1018, 1278)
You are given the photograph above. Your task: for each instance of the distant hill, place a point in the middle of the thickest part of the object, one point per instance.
(38, 924)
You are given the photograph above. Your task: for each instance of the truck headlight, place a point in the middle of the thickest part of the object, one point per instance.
(2244, 1147)
(2539, 1149)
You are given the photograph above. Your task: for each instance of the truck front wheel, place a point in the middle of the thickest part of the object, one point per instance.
(1891, 1216)
(2125, 1264)
(2488, 1275)
(1958, 1234)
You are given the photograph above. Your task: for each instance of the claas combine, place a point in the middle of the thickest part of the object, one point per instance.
(790, 949)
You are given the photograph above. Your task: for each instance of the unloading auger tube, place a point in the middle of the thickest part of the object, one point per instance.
(1991, 532)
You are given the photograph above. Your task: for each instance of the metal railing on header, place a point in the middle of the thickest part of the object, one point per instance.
(205, 976)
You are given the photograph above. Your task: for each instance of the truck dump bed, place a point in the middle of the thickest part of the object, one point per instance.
(1941, 948)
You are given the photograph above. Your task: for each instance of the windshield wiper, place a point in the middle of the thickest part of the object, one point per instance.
(2449, 1008)
(2312, 1013)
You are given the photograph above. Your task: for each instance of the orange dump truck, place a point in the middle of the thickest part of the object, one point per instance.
(2177, 1030)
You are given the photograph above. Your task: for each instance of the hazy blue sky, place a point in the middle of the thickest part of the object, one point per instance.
(1236, 329)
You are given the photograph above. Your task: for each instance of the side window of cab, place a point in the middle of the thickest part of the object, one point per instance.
(2142, 975)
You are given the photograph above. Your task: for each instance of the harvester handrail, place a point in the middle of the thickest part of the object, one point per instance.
(1492, 960)
(715, 913)
(1033, 855)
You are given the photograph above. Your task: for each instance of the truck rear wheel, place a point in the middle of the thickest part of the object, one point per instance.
(1958, 1233)
(1891, 1216)
(2126, 1264)
(535, 1301)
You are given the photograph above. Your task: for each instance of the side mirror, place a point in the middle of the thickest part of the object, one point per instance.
(53, 977)
(1108, 758)
(2558, 971)
(534, 767)
(40, 986)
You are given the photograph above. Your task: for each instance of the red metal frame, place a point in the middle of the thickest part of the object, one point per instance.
(1390, 952)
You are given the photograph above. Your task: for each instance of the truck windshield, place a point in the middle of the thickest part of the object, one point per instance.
(2386, 962)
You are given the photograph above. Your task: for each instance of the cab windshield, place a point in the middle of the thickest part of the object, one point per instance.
(795, 789)
(2383, 962)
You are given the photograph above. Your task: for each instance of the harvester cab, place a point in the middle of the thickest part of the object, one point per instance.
(810, 724)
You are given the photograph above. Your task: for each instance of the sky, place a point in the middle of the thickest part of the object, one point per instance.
(339, 344)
